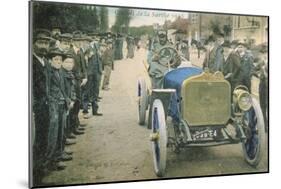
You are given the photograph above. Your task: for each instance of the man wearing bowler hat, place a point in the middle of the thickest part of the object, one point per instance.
(247, 65)
(40, 100)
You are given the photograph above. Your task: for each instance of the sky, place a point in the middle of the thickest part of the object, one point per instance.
(147, 17)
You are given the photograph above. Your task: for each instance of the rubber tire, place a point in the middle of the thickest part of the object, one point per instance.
(142, 103)
(159, 166)
(261, 136)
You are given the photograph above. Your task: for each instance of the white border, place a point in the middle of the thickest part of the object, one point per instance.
(14, 90)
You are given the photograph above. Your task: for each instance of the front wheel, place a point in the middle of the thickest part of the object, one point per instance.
(159, 137)
(254, 145)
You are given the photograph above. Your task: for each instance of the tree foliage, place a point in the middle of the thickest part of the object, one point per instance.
(68, 17)
(123, 18)
(103, 19)
(217, 28)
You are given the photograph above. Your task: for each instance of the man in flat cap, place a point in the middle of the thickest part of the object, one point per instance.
(41, 41)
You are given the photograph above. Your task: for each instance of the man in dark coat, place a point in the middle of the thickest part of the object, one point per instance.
(85, 43)
(69, 84)
(210, 56)
(130, 47)
(94, 71)
(107, 60)
(232, 65)
(119, 47)
(40, 101)
(263, 86)
(80, 74)
(219, 58)
(182, 47)
(58, 102)
(246, 64)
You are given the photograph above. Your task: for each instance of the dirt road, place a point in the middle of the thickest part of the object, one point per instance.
(116, 148)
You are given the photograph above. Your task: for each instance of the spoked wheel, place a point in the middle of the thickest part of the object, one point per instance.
(253, 147)
(159, 138)
(142, 101)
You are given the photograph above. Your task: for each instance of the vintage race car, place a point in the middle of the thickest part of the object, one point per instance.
(204, 112)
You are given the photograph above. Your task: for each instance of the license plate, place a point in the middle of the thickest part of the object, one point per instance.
(206, 134)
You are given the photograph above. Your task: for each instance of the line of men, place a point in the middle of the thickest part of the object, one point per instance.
(67, 74)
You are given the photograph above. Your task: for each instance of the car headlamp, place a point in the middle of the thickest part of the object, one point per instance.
(243, 99)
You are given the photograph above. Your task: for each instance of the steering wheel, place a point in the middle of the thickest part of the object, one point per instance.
(168, 56)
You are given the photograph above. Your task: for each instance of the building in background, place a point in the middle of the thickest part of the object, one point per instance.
(203, 25)
(251, 29)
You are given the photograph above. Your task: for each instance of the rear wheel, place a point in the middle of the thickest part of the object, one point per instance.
(254, 146)
(159, 138)
(142, 101)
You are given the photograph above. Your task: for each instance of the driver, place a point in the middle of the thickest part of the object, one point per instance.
(156, 70)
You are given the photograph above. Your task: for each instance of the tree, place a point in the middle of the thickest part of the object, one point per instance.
(123, 18)
(103, 19)
(69, 17)
(215, 26)
(94, 20)
(227, 30)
